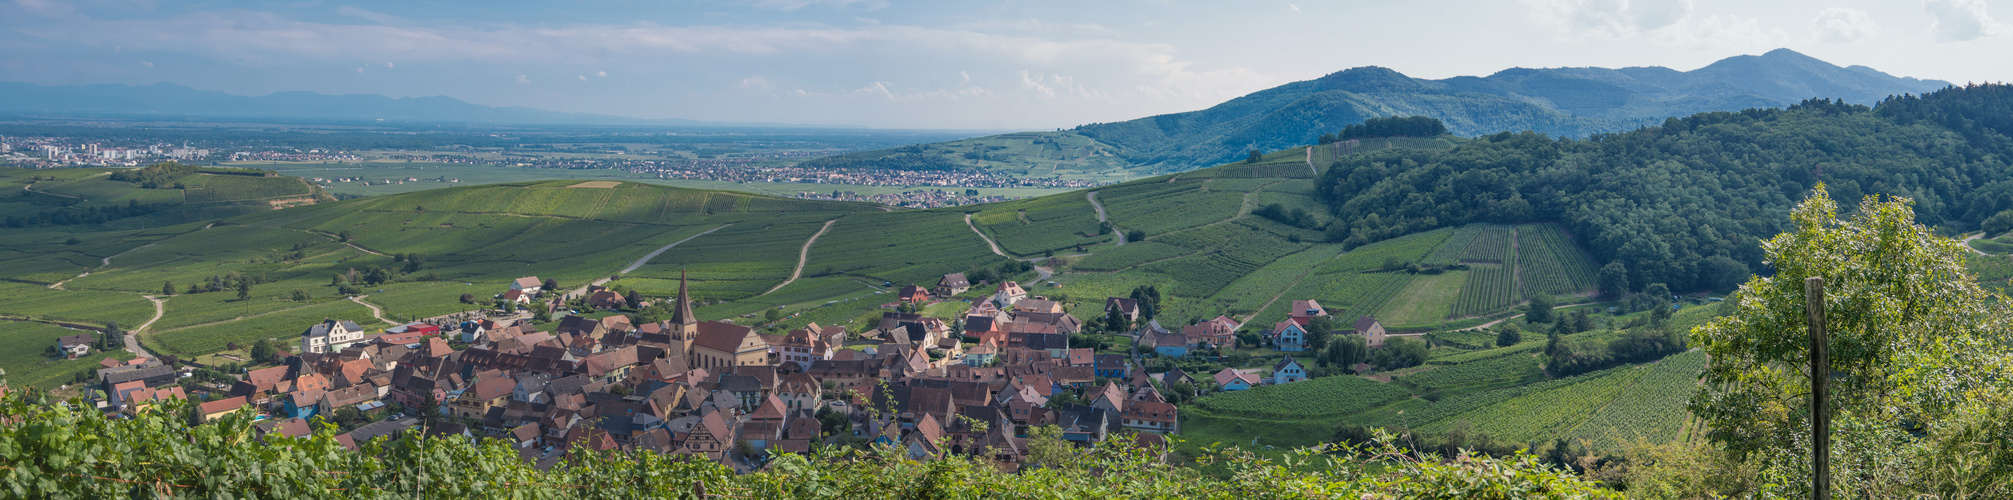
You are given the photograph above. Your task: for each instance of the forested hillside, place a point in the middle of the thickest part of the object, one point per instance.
(1572, 102)
(1684, 202)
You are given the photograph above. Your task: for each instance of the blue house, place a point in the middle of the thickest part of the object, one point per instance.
(1172, 345)
(1289, 336)
(1111, 366)
(300, 404)
(1232, 379)
(1288, 371)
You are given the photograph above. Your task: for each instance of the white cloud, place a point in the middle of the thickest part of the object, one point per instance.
(1031, 83)
(1960, 20)
(756, 83)
(387, 64)
(147, 64)
(602, 74)
(359, 70)
(1607, 19)
(1840, 24)
(1296, 8)
(523, 80)
(877, 89)
(581, 77)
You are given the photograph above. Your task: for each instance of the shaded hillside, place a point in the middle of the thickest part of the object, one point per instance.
(1683, 203)
(1573, 102)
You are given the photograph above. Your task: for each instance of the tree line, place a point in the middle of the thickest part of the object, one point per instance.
(1391, 126)
(1683, 203)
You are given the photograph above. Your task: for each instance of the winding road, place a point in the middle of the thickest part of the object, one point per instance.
(1966, 243)
(1043, 272)
(374, 311)
(1092, 196)
(982, 236)
(646, 258)
(805, 254)
(133, 335)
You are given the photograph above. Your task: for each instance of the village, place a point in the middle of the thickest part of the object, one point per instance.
(984, 385)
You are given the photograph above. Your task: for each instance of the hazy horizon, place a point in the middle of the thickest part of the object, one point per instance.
(965, 66)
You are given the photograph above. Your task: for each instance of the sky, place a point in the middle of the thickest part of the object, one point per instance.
(999, 65)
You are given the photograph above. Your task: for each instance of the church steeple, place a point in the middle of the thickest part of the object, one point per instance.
(687, 324)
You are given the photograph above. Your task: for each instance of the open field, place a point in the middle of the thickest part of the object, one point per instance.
(21, 354)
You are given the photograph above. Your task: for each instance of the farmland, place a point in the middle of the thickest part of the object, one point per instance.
(1326, 396)
(21, 354)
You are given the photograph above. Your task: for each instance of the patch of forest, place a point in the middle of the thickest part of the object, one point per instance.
(1684, 203)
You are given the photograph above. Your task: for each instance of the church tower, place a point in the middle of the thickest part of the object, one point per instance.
(684, 325)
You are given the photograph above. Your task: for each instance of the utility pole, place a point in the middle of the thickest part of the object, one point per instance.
(1820, 380)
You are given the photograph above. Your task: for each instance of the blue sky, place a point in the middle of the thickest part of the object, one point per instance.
(1017, 64)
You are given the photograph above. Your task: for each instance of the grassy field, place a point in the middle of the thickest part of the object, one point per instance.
(21, 354)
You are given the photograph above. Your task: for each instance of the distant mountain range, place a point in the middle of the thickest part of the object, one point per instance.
(1560, 102)
(170, 101)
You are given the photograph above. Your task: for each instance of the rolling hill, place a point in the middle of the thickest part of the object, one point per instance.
(1573, 102)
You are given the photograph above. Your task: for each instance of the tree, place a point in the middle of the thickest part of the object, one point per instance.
(468, 298)
(1400, 352)
(551, 285)
(1318, 330)
(167, 288)
(1919, 370)
(244, 289)
(771, 315)
(1135, 235)
(115, 338)
(1658, 298)
(1254, 156)
(1046, 447)
(1509, 335)
(299, 295)
(635, 301)
(1614, 279)
(1998, 223)
(1115, 322)
(1346, 351)
(263, 351)
(1540, 309)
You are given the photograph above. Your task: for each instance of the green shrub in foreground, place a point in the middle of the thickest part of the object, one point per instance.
(59, 451)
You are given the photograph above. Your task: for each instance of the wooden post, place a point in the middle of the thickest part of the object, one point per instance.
(1820, 380)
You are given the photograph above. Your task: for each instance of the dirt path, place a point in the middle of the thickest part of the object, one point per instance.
(652, 255)
(1092, 196)
(1500, 321)
(1310, 162)
(805, 255)
(982, 235)
(133, 335)
(374, 311)
(1966, 242)
(107, 261)
(335, 238)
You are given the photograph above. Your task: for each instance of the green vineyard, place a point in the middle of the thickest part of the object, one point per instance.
(1549, 263)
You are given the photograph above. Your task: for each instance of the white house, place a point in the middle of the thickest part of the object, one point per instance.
(331, 336)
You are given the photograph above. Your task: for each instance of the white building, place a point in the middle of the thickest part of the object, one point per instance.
(330, 336)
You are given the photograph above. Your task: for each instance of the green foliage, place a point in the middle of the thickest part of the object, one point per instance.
(1540, 310)
(1653, 199)
(156, 176)
(1998, 223)
(1508, 335)
(60, 452)
(1399, 352)
(1332, 395)
(1394, 126)
(1918, 356)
